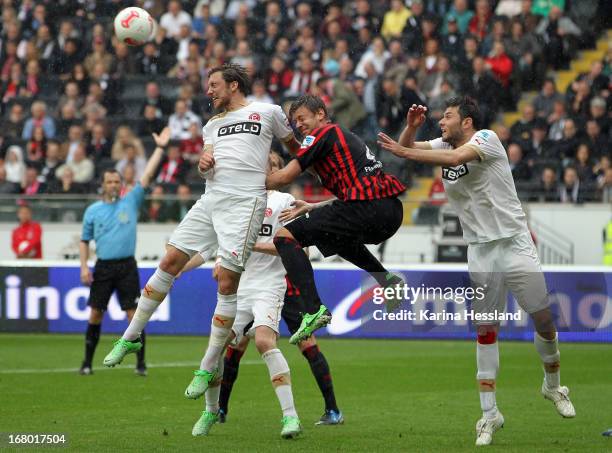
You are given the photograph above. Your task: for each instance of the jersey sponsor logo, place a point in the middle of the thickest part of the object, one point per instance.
(123, 217)
(265, 230)
(479, 141)
(255, 117)
(454, 173)
(268, 212)
(247, 127)
(308, 140)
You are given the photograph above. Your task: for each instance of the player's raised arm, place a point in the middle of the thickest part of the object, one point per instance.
(414, 119)
(161, 141)
(444, 157)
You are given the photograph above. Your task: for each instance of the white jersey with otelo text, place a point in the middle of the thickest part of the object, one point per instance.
(482, 191)
(241, 141)
(265, 273)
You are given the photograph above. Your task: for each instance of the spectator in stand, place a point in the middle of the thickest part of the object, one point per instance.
(597, 142)
(526, 51)
(71, 95)
(180, 121)
(483, 87)
(452, 41)
(156, 209)
(27, 237)
(138, 162)
(153, 97)
(390, 109)
(36, 146)
(572, 190)
(39, 118)
(51, 163)
(501, 65)
(460, 12)
(82, 167)
(124, 64)
(539, 149)
(395, 20)
(173, 167)
(259, 93)
(124, 138)
(67, 59)
(559, 34)
(544, 102)
(31, 184)
(547, 190)
(128, 177)
(304, 77)
(556, 121)
(521, 172)
(65, 185)
(151, 123)
(598, 113)
(174, 18)
(192, 148)
(14, 165)
(479, 23)
(184, 202)
(14, 86)
(99, 146)
(12, 127)
(202, 18)
(566, 147)
(583, 163)
(7, 187)
(278, 77)
(437, 194)
(99, 55)
(76, 135)
(521, 129)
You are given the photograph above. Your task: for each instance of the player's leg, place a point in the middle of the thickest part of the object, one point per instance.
(484, 275)
(525, 279)
(99, 295)
(128, 292)
(280, 377)
(92, 336)
(194, 233)
(231, 364)
(317, 361)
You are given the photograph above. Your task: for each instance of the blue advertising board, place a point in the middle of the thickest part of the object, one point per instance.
(52, 299)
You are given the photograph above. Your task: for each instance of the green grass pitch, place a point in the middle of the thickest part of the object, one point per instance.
(395, 395)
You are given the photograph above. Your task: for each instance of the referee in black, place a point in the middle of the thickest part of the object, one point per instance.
(366, 210)
(111, 223)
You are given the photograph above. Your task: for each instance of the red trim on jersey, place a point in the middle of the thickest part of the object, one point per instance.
(349, 159)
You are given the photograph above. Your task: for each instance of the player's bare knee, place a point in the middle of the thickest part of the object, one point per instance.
(243, 344)
(307, 343)
(543, 323)
(284, 233)
(173, 261)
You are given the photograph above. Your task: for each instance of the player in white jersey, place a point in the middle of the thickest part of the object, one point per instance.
(501, 254)
(260, 301)
(227, 218)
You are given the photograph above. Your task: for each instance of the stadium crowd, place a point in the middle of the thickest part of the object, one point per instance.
(75, 101)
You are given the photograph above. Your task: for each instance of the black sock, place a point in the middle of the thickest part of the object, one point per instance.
(320, 370)
(231, 363)
(361, 257)
(300, 272)
(92, 336)
(140, 355)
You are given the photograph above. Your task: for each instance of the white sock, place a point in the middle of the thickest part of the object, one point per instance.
(226, 307)
(158, 285)
(549, 353)
(212, 394)
(487, 358)
(279, 370)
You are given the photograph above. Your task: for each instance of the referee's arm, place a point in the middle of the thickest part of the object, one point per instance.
(84, 257)
(161, 141)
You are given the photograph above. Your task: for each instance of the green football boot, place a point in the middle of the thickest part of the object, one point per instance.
(121, 348)
(200, 383)
(310, 323)
(291, 427)
(203, 425)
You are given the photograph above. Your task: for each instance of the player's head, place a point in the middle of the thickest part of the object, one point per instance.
(24, 213)
(226, 82)
(275, 162)
(460, 120)
(308, 112)
(111, 184)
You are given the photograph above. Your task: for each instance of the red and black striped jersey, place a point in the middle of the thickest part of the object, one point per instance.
(291, 289)
(346, 166)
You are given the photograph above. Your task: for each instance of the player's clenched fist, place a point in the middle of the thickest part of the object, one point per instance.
(207, 161)
(416, 115)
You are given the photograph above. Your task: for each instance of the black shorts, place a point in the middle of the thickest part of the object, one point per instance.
(291, 313)
(110, 275)
(345, 224)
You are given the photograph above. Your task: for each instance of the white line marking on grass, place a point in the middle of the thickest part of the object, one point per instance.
(152, 365)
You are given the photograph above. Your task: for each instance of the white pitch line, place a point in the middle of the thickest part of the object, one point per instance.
(153, 365)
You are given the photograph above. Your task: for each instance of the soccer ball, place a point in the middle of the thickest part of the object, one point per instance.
(134, 26)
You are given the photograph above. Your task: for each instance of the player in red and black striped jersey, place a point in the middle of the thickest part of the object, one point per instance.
(366, 211)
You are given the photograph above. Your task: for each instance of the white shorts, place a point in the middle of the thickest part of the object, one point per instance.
(254, 310)
(223, 223)
(510, 263)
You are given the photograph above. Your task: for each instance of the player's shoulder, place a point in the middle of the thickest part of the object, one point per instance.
(264, 106)
(214, 118)
(486, 135)
(94, 207)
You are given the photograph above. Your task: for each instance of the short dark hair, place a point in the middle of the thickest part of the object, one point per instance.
(112, 171)
(234, 73)
(312, 103)
(467, 107)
